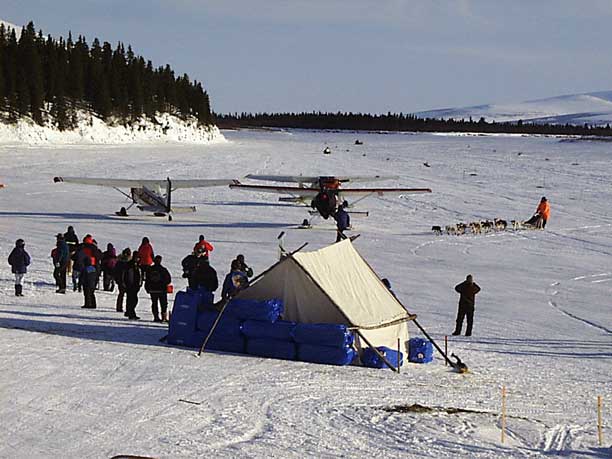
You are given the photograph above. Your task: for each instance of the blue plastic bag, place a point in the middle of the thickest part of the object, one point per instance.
(279, 330)
(227, 327)
(371, 359)
(335, 335)
(217, 343)
(325, 354)
(271, 348)
(267, 310)
(184, 316)
(420, 350)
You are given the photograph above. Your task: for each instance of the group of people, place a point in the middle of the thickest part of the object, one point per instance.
(129, 272)
(200, 274)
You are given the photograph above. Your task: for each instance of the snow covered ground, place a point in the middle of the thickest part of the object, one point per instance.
(77, 383)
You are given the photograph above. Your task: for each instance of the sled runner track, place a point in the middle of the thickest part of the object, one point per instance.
(558, 438)
(580, 319)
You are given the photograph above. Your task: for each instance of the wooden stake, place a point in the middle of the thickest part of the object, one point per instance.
(599, 421)
(446, 349)
(399, 361)
(503, 415)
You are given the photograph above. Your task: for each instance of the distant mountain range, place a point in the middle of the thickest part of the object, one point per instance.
(592, 108)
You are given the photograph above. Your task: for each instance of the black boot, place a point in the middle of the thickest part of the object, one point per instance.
(17, 290)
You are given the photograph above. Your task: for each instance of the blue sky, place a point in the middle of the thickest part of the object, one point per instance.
(353, 55)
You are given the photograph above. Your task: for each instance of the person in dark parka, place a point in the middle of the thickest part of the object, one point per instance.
(109, 261)
(204, 276)
(156, 284)
(72, 240)
(120, 267)
(89, 279)
(467, 291)
(343, 221)
(60, 263)
(235, 281)
(132, 280)
(19, 260)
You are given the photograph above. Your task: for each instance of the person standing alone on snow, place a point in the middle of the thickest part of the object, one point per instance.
(467, 291)
(19, 260)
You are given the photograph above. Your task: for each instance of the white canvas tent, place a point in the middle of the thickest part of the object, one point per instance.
(335, 285)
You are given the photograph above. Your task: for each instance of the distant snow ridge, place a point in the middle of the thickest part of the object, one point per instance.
(8, 25)
(165, 128)
(592, 108)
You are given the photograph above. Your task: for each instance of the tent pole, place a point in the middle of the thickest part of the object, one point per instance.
(449, 361)
(378, 353)
(226, 301)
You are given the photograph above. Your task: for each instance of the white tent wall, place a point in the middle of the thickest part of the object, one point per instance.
(303, 300)
(335, 285)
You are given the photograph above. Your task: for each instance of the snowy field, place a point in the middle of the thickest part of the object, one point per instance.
(78, 383)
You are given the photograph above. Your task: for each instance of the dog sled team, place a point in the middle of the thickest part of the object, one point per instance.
(537, 221)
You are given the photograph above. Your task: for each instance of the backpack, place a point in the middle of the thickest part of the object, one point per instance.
(154, 276)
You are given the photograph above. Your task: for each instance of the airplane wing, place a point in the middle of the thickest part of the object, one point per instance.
(284, 178)
(315, 179)
(291, 190)
(312, 192)
(381, 191)
(135, 183)
(115, 183)
(200, 183)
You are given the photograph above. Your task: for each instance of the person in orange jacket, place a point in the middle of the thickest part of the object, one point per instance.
(146, 255)
(203, 243)
(543, 210)
(541, 215)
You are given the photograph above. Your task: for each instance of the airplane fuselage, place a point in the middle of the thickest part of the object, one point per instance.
(148, 200)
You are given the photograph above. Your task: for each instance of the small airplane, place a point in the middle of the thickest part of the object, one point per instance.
(153, 196)
(322, 193)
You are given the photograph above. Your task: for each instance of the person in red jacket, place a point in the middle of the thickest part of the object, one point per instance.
(203, 243)
(146, 255)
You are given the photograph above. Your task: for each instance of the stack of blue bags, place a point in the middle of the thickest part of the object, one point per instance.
(324, 343)
(184, 316)
(254, 327)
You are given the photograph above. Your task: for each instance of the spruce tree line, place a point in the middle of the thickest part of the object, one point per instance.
(43, 76)
(398, 122)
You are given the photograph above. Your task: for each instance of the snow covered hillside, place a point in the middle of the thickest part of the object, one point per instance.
(88, 383)
(93, 130)
(8, 25)
(592, 108)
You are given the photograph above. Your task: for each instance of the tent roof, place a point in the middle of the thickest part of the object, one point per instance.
(351, 284)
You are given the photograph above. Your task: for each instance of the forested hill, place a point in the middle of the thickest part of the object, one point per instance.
(398, 122)
(50, 79)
